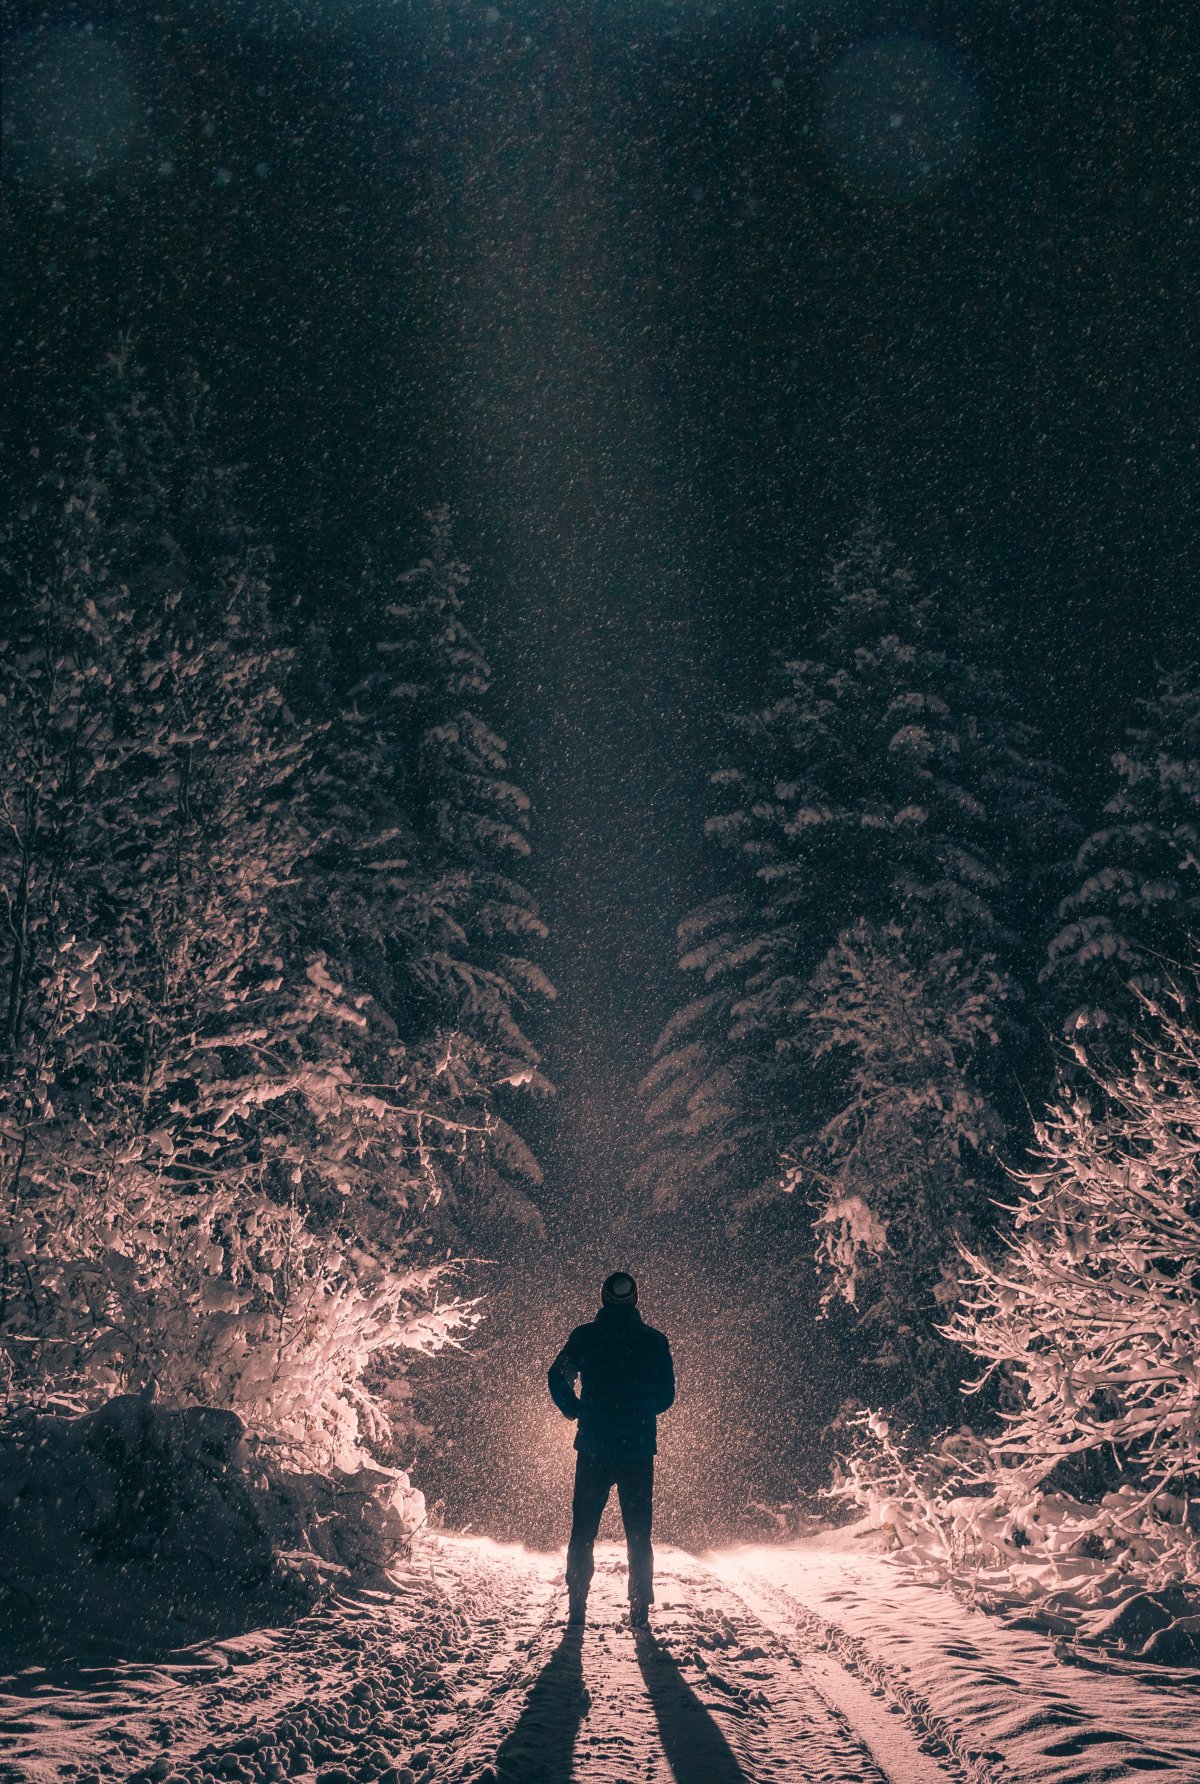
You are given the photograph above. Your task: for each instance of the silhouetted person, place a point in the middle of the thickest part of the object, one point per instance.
(626, 1378)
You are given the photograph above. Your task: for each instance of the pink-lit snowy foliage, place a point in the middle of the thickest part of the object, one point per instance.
(1087, 1320)
(227, 1132)
(1092, 1311)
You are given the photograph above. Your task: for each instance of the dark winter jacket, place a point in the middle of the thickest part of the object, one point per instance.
(626, 1378)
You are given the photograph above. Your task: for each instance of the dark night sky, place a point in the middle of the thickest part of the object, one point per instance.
(654, 295)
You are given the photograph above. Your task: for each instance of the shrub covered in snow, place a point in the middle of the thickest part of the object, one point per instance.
(1112, 1571)
(1092, 1312)
(1088, 1319)
(923, 1496)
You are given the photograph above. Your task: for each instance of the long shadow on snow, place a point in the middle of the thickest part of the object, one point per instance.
(695, 1747)
(540, 1749)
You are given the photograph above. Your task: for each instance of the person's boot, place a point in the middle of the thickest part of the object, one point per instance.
(639, 1614)
(576, 1608)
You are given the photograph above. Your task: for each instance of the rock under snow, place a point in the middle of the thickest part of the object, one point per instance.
(134, 1528)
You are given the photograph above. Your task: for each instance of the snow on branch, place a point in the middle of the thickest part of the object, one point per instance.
(1091, 1313)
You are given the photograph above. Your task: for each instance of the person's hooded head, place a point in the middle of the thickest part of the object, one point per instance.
(620, 1290)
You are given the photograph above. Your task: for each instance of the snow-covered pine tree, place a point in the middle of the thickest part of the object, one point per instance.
(1090, 1315)
(1125, 925)
(906, 1031)
(705, 1098)
(719, 1095)
(188, 1146)
(887, 814)
(415, 893)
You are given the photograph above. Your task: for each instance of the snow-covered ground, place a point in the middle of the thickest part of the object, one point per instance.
(812, 1662)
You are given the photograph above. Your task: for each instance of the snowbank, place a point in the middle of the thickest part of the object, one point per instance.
(133, 1529)
(1083, 1592)
(1010, 1707)
(1063, 1564)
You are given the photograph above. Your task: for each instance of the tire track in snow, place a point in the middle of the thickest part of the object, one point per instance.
(1002, 1702)
(791, 1718)
(909, 1743)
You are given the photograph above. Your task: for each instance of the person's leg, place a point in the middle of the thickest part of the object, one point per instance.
(593, 1478)
(635, 1489)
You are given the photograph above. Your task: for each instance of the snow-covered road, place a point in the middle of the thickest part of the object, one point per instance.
(763, 1665)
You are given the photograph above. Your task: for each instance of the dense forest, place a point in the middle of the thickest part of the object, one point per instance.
(265, 959)
(273, 1008)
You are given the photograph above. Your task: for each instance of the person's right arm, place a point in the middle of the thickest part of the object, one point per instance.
(560, 1379)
